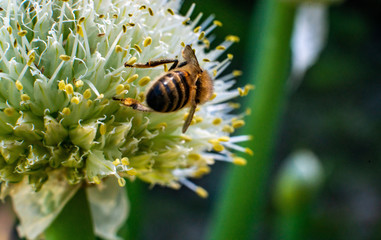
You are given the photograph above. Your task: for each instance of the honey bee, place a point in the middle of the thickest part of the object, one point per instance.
(185, 84)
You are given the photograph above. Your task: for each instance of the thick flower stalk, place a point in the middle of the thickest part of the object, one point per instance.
(62, 63)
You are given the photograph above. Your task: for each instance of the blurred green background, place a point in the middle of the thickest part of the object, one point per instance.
(335, 113)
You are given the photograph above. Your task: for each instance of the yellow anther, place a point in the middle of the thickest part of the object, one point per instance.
(9, 111)
(81, 20)
(186, 21)
(15, 45)
(87, 94)
(142, 7)
(238, 123)
(132, 172)
(228, 129)
(201, 171)
(18, 85)
(144, 81)
(214, 95)
(237, 73)
(147, 41)
(248, 111)
(213, 141)
(102, 16)
(217, 121)
(185, 138)
(220, 47)
(9, 29)
(214, 72)
(201, 192)
(22, 33)
(194, 156)
(170, 11)
(131, 24)
(131, 61)
(69, 88)
(116, 162)
(249, 151)
(224, 139)
(250, 87)
(88, 103)
(64, 57)
(25, 97)
(127, 87)
(18, 26)
(124, 27)
(138, 48)
(79, 30)
(125, 161)
(96, 180)
(141, 97)
(234, 105)
(121, 182)
(102, 129)
(232, 38)
(230, 56)
(61, 85)
(182, 44)
(161, 125)
(150, 11)
(74, 100)
(118, 48)
(239, 161)
(100, 96)
(206, 42)
(66, 111)
(32, 57)
(78, 83)
(217, 23)
(115, 16)
(130, 14)
(174, 185)
(119, 89)
(202, 35)
(197, 29)
(218, 147)
(165, 68)
(198, 119)
(206, 60)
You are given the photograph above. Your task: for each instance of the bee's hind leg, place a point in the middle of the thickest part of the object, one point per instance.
(133, 103)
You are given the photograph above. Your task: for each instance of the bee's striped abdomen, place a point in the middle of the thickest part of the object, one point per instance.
(169, 93)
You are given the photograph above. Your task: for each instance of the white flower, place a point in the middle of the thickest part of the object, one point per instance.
(62, 62)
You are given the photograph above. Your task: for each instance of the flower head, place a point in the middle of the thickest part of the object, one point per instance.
(62, 63)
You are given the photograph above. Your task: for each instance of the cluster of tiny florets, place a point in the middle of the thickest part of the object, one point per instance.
(62, 62)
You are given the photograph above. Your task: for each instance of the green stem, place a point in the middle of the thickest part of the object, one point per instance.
(241, 209)
(74, 222)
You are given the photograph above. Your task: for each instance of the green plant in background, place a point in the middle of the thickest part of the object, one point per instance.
(62, 63)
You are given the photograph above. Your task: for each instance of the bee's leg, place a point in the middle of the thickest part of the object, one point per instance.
(130, 102)
(154, 63)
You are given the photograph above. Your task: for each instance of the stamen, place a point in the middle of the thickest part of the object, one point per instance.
(144, 81)
(102, 129)
(78, 83)
(66, 111)
(132, 78)
(75, 100)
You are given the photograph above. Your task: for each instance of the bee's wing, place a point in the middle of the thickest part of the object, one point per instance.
(188, 121)
(190, 57)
